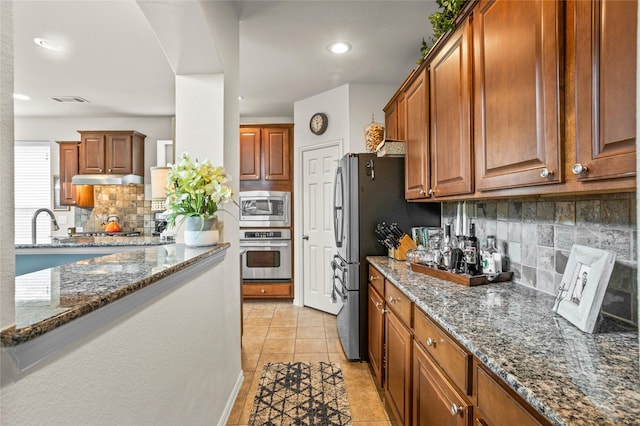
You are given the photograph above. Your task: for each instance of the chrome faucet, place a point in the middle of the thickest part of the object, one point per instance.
(54, 222)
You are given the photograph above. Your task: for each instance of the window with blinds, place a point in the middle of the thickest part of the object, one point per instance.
(32, 182)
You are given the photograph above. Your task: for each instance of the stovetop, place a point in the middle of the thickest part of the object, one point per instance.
(106, 234)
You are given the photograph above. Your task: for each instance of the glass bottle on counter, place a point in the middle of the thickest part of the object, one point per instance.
(491, 257)
(472, 252)
(446, 247)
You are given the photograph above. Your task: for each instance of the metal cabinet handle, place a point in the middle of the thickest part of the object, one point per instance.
(392, 299)
(262, 290)
(305, 237)
(455, 410)
(384, 311)
(378, 304)
(430, 341)
(431, 192)
(545, 173)
(422, 191)
(373, 278)
(578, 169)
(100, 170)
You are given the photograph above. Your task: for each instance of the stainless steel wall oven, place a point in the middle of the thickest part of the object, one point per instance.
(267, 255)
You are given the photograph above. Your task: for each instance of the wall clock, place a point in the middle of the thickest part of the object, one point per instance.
(318, 123)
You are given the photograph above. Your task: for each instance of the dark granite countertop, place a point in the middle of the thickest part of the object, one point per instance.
(75, 289)
(570, 377)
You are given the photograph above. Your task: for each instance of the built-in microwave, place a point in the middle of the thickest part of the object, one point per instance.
(265, 208)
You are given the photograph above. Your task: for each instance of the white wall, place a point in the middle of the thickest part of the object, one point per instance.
(364, 100)
(173, 360)
(7, 250)
(348, 109)
(265, 120)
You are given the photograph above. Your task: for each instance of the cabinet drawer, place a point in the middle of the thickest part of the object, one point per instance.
(376, 279)
(453, 359)
(257, 290)
(398, 303)
(496, 404)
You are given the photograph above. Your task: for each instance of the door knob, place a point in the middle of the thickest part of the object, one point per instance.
(305, 237)
(455, 409)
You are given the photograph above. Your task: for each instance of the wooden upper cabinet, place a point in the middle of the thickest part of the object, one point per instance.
(275, 149)
(92, 153)
(391, 120)
(516, 50)
(250, 154)
(416, 175)
(605, 72)
(450, 108)
(112, 152)
(68, 169)
(401, 112)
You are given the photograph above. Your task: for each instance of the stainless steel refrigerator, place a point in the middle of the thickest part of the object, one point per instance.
(367, 190)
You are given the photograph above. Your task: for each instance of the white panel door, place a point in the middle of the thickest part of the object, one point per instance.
(318, 245)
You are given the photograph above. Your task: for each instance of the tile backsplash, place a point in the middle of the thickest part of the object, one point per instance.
(536, 235)
(125, 201)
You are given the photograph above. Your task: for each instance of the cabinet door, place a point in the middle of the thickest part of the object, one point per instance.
(119, 154)
(401, 112)
(249, 154)
(376, 333)
(275, 149)
(68, 169)
(398, 367)
(436, 402)
(516, 87)
(92, 153)
(605, 37)
(416, 173)
(391, 120)
(450, 106)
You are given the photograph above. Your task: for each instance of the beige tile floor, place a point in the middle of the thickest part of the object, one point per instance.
(283, 332)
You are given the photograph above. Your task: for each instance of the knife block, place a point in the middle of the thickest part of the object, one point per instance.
(406, 244)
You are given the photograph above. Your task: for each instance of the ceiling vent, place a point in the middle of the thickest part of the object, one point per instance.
(72, 99)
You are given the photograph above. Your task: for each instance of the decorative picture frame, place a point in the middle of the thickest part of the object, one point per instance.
(55, 180)
(583, 286)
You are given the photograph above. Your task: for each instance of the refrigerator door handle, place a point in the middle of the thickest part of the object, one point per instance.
(338, 224)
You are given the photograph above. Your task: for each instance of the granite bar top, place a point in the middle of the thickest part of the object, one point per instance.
(72, 242)
(570, 377)
(48, 299)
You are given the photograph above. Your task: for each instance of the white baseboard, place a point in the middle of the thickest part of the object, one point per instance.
(231, 401)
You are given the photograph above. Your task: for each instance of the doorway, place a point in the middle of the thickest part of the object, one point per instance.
(318, 245)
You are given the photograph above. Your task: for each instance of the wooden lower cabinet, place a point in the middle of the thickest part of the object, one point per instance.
(498, 406)
(398, 345)
(267, 290)
(436, 401)
(376, 334)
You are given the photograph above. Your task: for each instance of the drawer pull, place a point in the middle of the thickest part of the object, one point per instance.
(373, 278)
(430, 341)
(578, 169)
(393, 299)
(262, 290)
(455, 410)
(545, 173)
(384, 311)
(378, 304)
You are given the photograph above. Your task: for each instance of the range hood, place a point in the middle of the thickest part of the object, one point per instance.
(102, 179)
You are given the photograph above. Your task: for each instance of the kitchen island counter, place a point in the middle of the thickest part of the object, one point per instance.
(74, 242)
(569, 376)
(76, 289)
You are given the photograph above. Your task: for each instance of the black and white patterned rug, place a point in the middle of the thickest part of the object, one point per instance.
(301, 393)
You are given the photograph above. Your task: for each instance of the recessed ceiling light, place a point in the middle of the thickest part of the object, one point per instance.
(240, 97)
(339, 47)
(21, 97)
(48, 44)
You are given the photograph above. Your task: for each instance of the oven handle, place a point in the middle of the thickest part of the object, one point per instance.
(263, 244)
